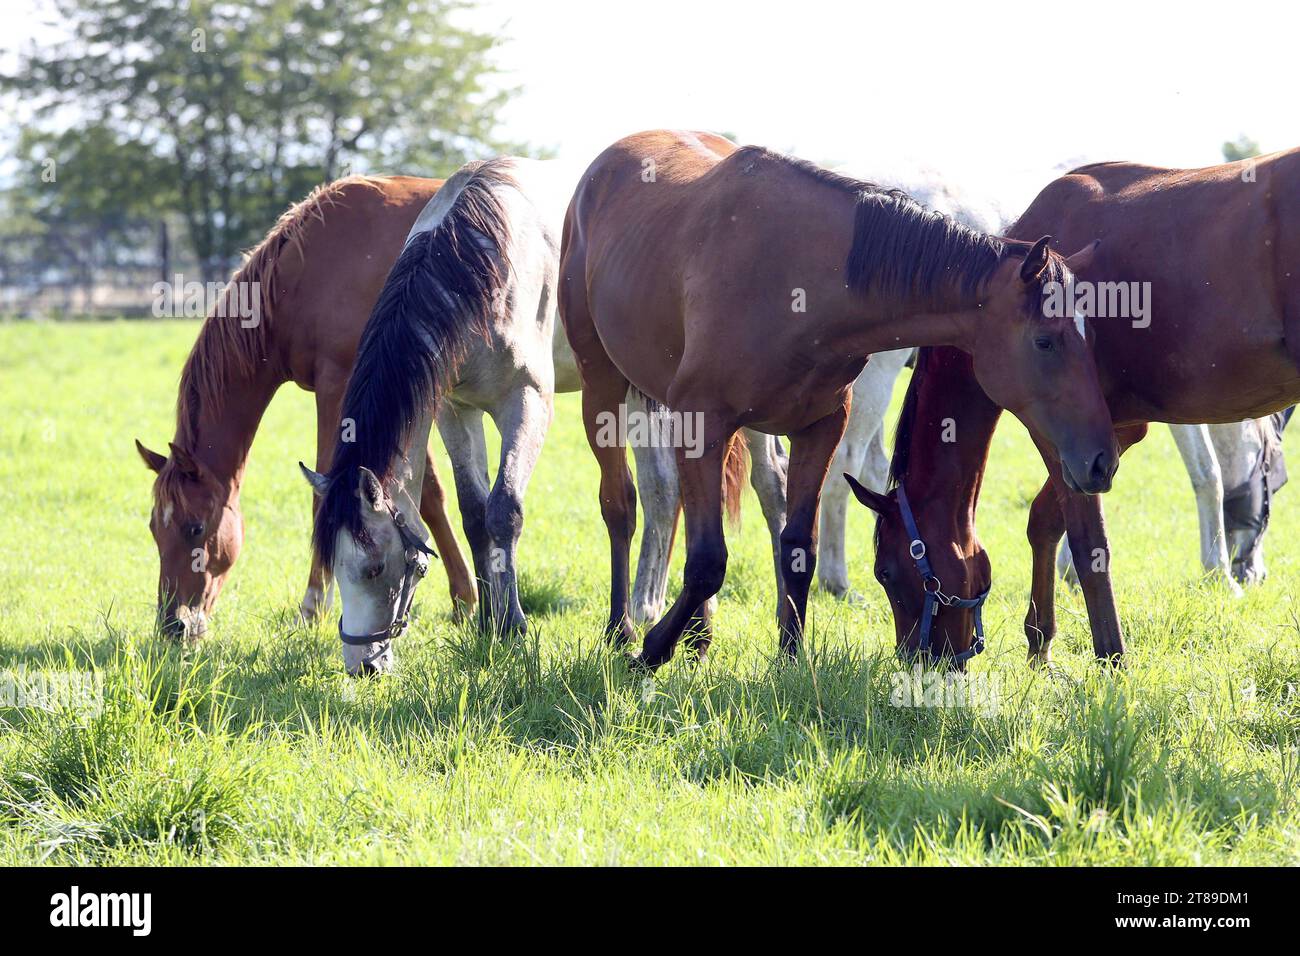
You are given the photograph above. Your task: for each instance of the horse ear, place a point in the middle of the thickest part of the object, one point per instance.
(317, 481)
(874, 500)
(1082, 259)
(1036, 261)
(152, 460)
(185, 461)
(369, 489)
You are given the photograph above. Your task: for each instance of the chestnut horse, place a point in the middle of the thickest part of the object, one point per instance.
(746, 289)
(1220, 343)
(316, 293)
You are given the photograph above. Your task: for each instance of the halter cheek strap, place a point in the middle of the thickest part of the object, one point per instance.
(934, 595)
(417, 566)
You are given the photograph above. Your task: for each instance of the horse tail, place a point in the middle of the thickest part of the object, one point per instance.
(735, 472)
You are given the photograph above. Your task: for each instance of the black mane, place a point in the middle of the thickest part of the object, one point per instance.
(901, 247)
(437, 298)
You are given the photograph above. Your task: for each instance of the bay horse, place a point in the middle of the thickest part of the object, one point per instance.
(746, 289)
(1221, 343)
(315, 293)
(861, 452)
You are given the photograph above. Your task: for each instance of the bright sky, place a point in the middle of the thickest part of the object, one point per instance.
(995, 95)
(999, 94)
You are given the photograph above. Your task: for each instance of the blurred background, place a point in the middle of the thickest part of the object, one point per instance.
(145, 139)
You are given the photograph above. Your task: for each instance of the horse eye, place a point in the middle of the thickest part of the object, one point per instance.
(374, 571)
(882, 575)
(194, 529)
(1043, 344)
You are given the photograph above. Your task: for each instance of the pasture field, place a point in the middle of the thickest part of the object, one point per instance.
(257, 749)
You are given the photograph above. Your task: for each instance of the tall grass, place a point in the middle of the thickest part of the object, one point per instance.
(255, 748)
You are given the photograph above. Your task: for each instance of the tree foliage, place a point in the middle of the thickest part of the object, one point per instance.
(226, 112)
(1242, 148)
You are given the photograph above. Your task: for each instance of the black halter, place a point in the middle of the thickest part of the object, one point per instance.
(417, 565)
(934, 595)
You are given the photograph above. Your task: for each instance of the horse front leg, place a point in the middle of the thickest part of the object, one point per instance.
(1085, 524)
(603, 389)
(523, 420)
(811, 451)
(433, 509)
(706, 546)
(318, 597)
(1045, 529)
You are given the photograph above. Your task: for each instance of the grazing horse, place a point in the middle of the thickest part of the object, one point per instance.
(314, 295)
(861, 451)
(743, 288)
(465, 324)
(1219, 342)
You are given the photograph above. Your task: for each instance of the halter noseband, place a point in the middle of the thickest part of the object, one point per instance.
(417, 566)
(934, 595)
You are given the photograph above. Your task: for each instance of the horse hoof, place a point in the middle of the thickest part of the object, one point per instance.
(1222, 579)
(836, 589)
(1040, 658)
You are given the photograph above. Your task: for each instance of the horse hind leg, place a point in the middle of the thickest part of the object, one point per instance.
(861, 453)
(850, 457)
(767, 475)
(461, 428)
(1197, 450)
(523, 422)
(656, 478)
(811, 451)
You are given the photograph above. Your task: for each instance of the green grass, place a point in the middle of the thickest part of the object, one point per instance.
(257, 749)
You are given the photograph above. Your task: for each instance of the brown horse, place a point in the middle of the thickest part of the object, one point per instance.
(1219, 342)
(744, 288)
(316, 293)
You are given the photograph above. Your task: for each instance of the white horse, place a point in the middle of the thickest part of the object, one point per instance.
(1218, 457)
(466, 323)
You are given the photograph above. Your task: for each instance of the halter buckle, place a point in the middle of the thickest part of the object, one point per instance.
(916, 549)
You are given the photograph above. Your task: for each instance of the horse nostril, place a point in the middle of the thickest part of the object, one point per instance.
(1100, 472)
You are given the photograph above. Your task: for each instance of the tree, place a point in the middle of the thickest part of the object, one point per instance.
(234, 110)
(1243, 148)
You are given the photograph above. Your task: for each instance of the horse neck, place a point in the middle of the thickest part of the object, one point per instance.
(949, 397)
(408, 470)
(222, 433)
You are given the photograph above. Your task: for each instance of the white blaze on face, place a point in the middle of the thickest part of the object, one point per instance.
(1078, 324)
(369, 603)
